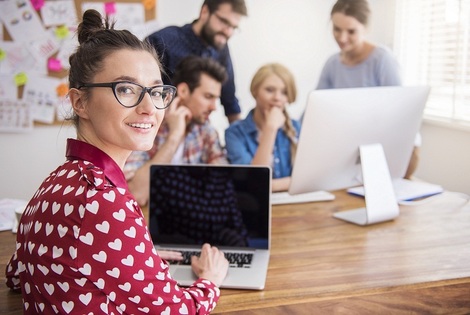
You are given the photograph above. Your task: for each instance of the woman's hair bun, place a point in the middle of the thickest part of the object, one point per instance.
(91, 24)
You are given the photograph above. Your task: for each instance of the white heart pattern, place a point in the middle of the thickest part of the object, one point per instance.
(103, 227)
(87, 237)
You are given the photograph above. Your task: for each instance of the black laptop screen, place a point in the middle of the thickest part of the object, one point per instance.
(222, 205)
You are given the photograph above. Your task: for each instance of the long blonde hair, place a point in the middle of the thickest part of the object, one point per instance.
(286, 76)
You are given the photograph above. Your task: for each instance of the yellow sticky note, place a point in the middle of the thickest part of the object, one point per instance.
(62, 32)
(3, 54)
(21, 78)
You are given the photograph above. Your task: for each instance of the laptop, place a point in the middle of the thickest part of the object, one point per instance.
(227, 206)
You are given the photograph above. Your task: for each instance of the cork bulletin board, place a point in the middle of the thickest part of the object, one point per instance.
(37, 36)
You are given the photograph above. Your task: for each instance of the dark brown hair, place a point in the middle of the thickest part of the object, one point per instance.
(358, 9)
(238, 6)
(98, 39)
(189, 71)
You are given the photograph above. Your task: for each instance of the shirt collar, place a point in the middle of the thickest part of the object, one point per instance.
(206, 50)
(79, 150)
(195, 40)
(250, 124)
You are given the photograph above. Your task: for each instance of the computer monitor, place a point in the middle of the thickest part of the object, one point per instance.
(338, 122)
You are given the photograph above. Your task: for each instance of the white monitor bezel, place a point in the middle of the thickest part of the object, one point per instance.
(338, 121)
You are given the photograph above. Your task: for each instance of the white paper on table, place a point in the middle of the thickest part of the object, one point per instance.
(7, 213)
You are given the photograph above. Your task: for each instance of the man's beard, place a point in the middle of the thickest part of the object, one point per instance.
(208, 36)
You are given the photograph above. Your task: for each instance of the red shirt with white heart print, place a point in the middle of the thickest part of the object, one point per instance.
(83, 247)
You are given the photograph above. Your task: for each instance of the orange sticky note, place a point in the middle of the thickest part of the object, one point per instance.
(110, 8)
(149, 4)
(21, 78)
(62, 89)
(54, 65)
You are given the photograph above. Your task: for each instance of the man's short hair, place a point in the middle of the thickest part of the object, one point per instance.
(189, 71)
(238, 6)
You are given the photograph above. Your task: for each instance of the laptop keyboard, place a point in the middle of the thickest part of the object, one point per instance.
(236, 260)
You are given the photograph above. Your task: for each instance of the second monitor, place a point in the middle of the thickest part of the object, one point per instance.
(338, 122)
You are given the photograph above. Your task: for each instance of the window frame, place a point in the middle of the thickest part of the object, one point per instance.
(425, 53)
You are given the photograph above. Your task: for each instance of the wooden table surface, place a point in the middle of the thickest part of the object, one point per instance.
(417, 264)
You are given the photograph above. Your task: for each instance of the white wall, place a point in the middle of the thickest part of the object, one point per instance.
(26, 159)
(445, 156)
(296, 33)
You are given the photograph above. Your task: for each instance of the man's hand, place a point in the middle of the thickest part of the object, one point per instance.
(177, 117)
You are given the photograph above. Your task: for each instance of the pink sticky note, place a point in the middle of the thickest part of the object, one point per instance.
(110, 8)
(37, 4)
(54, 64)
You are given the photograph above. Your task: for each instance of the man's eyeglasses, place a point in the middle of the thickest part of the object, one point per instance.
(226, 23)
(130, 94)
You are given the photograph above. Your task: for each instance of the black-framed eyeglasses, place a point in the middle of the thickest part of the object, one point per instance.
(130, 94)
(226, 23)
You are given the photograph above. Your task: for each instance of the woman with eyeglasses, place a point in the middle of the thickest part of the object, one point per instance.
(83, 244)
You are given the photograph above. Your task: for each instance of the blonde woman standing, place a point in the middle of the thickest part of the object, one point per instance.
(267, 136)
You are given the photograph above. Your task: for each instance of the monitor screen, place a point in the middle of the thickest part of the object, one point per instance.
(224, 205)
(338, 121)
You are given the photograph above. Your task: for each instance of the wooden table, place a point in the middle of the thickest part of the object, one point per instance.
(416, 264)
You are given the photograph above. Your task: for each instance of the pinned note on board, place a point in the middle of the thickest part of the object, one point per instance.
(62, 32)
(149, 4)
(110, 8)
(62, 89)
(37, 4)
(54, 65)
(38, 37)
(21, 79)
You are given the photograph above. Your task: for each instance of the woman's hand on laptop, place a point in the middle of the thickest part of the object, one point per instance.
(170, 255)
(211, 265)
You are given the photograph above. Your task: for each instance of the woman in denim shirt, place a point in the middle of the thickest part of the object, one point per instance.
(267, 136)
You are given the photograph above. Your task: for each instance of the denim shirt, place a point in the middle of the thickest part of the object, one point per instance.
(241, 141)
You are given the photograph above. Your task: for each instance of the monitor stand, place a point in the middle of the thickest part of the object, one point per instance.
(381, 203)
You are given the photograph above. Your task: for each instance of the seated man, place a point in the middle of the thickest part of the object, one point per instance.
(186, 135)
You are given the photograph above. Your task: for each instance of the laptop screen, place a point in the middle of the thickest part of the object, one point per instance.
(223, 205)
